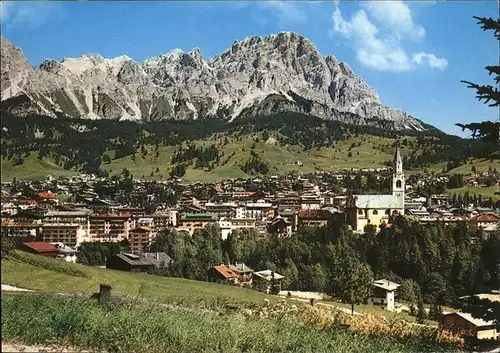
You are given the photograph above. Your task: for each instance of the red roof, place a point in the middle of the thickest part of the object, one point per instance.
(243, 193)
(41, 246)
(27, 201)
(108, 216)
(485, 218)
(47, 195)
(225, 271)
(315, 214)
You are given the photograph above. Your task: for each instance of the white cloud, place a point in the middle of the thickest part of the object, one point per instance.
(27, 14)
(395, 16)
(286, 11)
(434, 62)
(377, 32)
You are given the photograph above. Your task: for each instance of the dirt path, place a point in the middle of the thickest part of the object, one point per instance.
(346, 310)
(9, 288)
(19, 347)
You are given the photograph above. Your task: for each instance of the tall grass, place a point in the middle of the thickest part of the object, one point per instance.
(121, 327)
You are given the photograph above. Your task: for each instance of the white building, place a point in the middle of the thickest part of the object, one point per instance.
(363, 210)
(383, 294)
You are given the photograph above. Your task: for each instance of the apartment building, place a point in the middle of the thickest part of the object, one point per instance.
(70, 234)
(140, 238)
(110, 227)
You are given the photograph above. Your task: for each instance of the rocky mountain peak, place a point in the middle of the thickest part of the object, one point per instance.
(254, 76)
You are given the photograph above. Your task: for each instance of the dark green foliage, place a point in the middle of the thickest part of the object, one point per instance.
(255, 165)
(96, 254)
(179, 170)
(59, 267)
(83, 146)
(7, 246)
(487, 131)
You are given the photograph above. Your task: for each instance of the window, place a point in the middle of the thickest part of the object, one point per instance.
(388, 212)
(398, 184)
(375, 212)
(360, 212)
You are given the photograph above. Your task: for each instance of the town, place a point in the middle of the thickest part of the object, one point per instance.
(60, 217)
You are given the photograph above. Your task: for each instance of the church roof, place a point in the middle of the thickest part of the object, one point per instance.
(378, 201)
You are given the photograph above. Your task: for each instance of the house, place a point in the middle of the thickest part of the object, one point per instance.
(244, 274)
(45, 197)
(65, 252)
(222, 274)
(267, 281)
(383, 294)
(486, 222)
(280, 226)
(466, 323)
(40, 248)
(313, 218)
(364, 210)
(135, 263)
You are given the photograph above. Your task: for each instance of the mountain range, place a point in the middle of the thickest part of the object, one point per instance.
(256, 76)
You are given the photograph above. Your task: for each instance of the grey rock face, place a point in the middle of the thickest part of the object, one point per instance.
(258, 75)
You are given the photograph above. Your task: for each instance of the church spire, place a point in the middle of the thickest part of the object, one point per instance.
(398, 162)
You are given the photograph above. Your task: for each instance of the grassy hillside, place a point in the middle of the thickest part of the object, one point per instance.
(372, 152)
(146, 149)
(32, 169)
(151, 326)
(479, 190)
(34, 272)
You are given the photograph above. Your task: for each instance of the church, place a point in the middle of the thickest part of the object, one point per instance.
(362, 210)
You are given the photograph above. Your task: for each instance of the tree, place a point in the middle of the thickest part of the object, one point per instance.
(409, 291)
(7, 246)
(351, 279)
(487, 131)
(106, 159)
(421, 313)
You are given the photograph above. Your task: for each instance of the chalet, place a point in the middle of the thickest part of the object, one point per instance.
(222, 274)
(280, 225)
(313, 218)
(135, 263)
(45, 197)
(65, 252)
(383, 294)
(486, 222)
(244, 274)
(267, 281)
(40, 248)
(465, 323)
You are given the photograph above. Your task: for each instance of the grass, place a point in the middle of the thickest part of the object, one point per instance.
(120, 327)
(488, 191)
(238, 319)
(481, 165)
(52, 275)
(32, 169)
(372, 152)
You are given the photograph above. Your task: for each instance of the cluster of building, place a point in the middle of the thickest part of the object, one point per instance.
(81, 216)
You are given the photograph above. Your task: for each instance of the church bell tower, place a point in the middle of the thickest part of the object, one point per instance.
(398, 178)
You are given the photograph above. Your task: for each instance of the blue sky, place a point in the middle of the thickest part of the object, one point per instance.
(413, 53)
